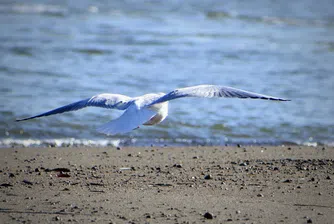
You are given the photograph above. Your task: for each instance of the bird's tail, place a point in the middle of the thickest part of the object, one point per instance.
(131, 119)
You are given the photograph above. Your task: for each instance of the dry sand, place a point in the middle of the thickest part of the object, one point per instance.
(251, 184)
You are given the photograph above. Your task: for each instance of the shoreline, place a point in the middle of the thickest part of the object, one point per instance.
(246, 184)
(135, 142)
(115, 143)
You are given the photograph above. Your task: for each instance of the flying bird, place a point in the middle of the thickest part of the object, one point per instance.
(149, 109)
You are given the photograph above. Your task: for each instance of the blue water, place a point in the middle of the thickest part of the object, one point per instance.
(59, 52)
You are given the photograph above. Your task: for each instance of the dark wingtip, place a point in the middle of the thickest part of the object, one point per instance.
(22, 119)
(278, 99)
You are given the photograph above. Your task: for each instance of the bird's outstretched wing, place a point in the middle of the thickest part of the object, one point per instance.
(109, 101)
(131, 119)
(210, 91)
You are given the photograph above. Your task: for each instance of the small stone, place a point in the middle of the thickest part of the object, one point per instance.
(6, 185)
(118, 148)
(61, 174)
(229, 220)
(328, 178)
(208, 177)
(178, 165)
(287, 181)
(309, 221)
(208, 215)
(95, 168)
(237, 212)
(27, 182)
(57, 218)
(260, 195)
(11, 175)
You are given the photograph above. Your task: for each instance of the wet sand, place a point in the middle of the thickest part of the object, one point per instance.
(247, 184)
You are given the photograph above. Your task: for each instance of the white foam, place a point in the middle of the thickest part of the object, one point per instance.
(66, 142)
(38, 8)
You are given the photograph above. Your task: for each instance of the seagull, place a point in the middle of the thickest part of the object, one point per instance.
(149, 109)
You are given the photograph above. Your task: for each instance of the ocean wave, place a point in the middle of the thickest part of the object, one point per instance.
(46, 9)
(72, 142)
(216, 15)
(66, 142)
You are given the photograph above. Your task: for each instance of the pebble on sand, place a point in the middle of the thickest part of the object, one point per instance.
(208, 215)
(208, 177)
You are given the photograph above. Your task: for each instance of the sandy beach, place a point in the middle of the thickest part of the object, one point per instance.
(245, 184)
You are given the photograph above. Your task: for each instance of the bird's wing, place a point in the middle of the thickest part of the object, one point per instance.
(210, 91)
(131, 119)
(109, 101)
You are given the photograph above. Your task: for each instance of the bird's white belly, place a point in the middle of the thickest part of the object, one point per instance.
(155, 120)
(162, 112)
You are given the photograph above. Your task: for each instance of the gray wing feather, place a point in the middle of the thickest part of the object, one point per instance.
(210, 91)
(108, 101)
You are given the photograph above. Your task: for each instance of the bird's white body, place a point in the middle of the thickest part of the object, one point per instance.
(161, 109)
(149, 109)
(162, 113)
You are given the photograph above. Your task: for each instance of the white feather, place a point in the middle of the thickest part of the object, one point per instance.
(131, 119)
